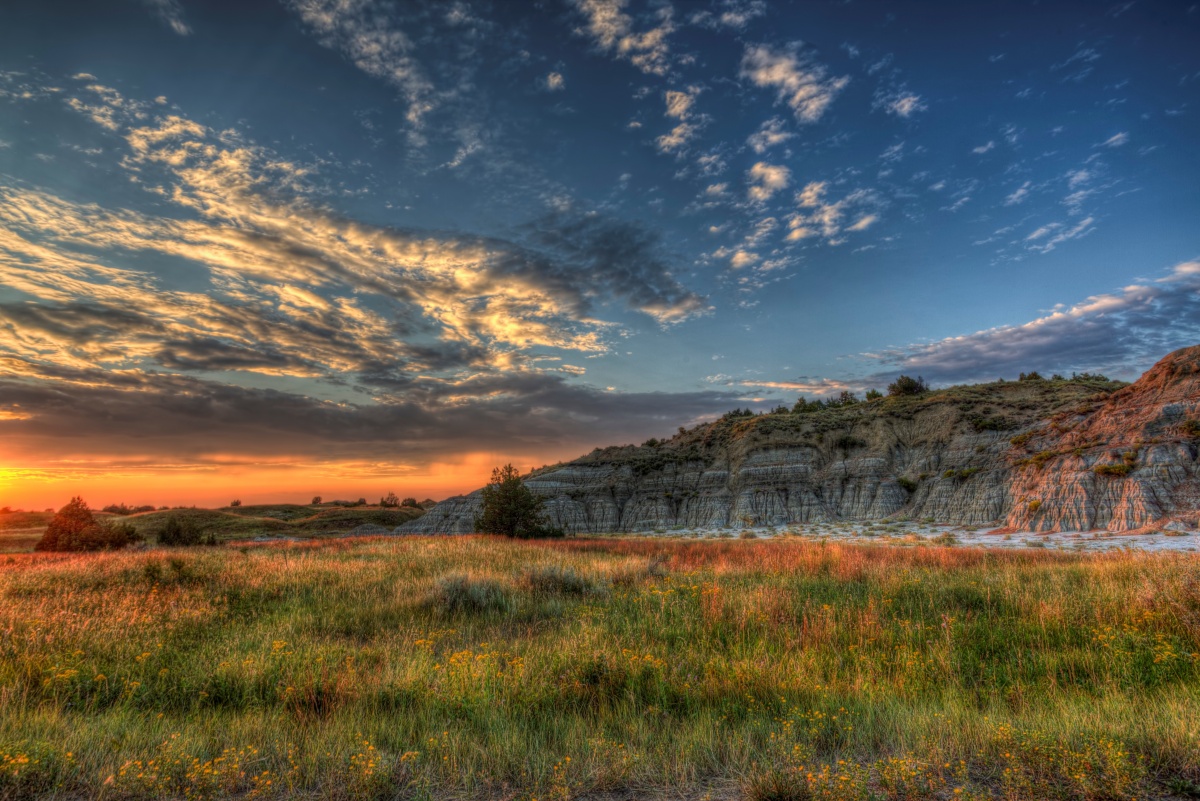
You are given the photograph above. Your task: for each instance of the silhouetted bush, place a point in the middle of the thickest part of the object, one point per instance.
(411, 503)
(1031, 376)
(512, 509)
(74, 528)
(390, 500)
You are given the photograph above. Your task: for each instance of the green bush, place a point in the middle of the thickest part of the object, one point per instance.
(908, 484)
(179, 532)
(1113, 470)
(459, 593)
(907, 385)
(74, 528)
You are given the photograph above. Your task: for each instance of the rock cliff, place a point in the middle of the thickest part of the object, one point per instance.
(1042, 455)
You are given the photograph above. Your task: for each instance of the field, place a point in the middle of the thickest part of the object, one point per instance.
(471, 667)
(19, 531)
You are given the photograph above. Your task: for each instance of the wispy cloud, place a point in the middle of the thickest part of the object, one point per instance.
(903, 105)
(1116, 140)
(799, 81)
(171, 14)
(373, 41)
(821, 218)
(769, 134)
(614, 32)
(1120, 333)
(766, 180)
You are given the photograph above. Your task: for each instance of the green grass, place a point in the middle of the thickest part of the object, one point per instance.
(471, 667)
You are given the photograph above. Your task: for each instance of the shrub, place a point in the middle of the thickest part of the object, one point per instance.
(74, 528)
(459, 593)
(235, 502)
(907, 484)
(182, 533)
(511, 509)
(907, 385)
(125, 511)
(556, 580)
(389, 501)
(874, 394)
(1190, 429)
(848, 443)
(316, 501)
(1113, 470)
(1034, 506)
(1031, 376)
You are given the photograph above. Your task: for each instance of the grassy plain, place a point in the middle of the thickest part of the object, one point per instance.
(471, 667)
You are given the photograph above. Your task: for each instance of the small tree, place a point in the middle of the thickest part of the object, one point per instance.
(874, 394)
(235, 502)
(511, 509)
(906, 385)
(178, 531)
(74, 528)
(316, 501)
(389, 500)
(409, 502)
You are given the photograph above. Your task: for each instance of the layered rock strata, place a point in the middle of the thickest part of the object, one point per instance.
(1039, 455)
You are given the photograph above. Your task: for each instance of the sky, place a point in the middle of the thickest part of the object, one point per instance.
(269, 250)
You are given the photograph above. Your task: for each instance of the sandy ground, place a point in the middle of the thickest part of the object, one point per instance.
(925, 534)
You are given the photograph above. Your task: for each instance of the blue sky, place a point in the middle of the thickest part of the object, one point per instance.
(368, 240)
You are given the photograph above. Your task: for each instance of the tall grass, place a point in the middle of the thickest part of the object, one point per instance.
(476, 667)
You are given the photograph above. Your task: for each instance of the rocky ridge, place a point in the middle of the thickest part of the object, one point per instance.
(1037, 455)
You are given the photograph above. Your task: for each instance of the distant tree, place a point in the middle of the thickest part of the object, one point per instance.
(74, 528)
(510, 508)
(1031, 376)
(805, 406)
(845, 398)
(361, 502)
(781, 410)
(410, 502)
(906, 385)
(1057, 377)
(390, 500)
(651, 443)
(316, 501)
(874, 394)
(7, 510)
(235, 502)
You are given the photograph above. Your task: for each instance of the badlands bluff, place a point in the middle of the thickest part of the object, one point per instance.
(1032, 455)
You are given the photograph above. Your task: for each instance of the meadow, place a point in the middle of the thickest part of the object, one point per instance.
(473, 667)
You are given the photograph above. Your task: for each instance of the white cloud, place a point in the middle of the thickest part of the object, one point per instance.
(612, 30)
(824, 219)
(677, 138)
(1058, 234)
(904, 105)
(735, 14)
(555, 82)
(798, 81)
(679, 104)
(1018, 195)
(769, 134)
(765, 180)
(984, 148)
(1116, 140)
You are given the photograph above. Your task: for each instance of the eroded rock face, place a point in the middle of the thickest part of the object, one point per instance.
(1022, 454)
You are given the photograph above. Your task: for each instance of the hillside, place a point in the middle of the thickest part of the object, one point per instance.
(1032, 454)
(20, 530)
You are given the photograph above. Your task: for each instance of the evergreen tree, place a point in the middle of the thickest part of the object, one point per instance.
(511, 509)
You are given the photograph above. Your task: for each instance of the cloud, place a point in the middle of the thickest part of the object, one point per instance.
(1120, 333)
(679, 107)
(613, 32)
(1047, 237)
(769, 134)
(735, 14)
(367, 35)
(799, 81)
(820, 218)
(1018, 195)
(803, 385)
(679, 104)
(765, 180)
(555, 82)
(1116, 140)
(903, 105)
(171, 14)
(984, 148)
